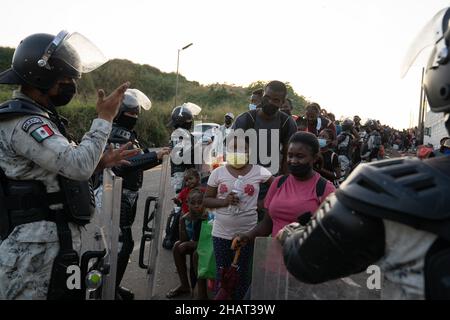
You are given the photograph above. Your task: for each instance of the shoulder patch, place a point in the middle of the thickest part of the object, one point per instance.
(29, 122)
(42, 133)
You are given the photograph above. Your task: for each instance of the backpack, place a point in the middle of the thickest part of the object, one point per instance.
(172, 229)
(335, 181)
(284, 118)
(376, 141)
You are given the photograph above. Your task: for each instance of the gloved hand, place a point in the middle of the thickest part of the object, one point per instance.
(288, 230)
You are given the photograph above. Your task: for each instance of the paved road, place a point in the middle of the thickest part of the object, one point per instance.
(136, 278)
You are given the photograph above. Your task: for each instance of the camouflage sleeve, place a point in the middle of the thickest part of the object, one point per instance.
(39, 140)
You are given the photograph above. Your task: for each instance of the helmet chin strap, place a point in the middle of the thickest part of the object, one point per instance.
(59, 121)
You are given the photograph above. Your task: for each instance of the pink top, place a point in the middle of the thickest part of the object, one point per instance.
(292, 199)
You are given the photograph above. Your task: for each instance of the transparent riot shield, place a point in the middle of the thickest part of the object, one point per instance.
(271, 280)
(100, 244)
(163, 204)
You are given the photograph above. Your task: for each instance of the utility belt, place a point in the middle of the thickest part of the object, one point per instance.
(26, 201)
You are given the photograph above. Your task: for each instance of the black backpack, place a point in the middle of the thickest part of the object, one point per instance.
(172, 230)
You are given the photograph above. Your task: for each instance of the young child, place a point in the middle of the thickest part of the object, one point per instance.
(191, 181)
(235, 214)
(189, 226)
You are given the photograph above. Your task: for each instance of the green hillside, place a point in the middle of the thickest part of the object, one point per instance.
(215, 99)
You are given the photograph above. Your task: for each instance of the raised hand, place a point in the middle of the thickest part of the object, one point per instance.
(117, 157)
(107, 108)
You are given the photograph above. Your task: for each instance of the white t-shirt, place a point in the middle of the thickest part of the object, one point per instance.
(226, 223)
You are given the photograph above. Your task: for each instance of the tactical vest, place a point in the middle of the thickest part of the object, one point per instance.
(182, 167)
(25, 201)
(132, 180)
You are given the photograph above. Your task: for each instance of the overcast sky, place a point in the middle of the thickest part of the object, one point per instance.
(345, 55)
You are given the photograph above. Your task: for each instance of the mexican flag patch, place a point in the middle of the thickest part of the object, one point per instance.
(42, 133)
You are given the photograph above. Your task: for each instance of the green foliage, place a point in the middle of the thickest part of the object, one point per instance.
(298, 101)
(5, 58)
(80, 116)
(215, 99)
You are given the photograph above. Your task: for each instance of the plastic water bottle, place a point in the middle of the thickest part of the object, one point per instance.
(238, 189)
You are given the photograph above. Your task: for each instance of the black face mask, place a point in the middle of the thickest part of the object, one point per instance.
(228, 122)
(269, 109)
(66, 91)
(300, 170)
(126, 121)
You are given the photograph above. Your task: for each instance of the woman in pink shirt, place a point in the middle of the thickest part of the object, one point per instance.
(295, 196)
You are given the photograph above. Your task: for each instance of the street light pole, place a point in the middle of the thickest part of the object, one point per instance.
(178, 65)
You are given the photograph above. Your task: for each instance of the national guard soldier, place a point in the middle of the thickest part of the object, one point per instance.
(183, 144)
(373, 141)
(122, 133)
(182, 155)
(45, 196)
(394, 213)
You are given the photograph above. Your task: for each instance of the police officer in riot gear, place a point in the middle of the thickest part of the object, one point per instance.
(182, 141)
(345, 144)
(395, 213)
(44, 192)
(123, 133)
(372, 141)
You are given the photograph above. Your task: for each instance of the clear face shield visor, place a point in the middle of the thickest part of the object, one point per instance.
(193, 108)
(135, 99)
(75, 50)
(432, 34)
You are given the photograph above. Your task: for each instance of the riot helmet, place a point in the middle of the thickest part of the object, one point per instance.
(41, 59)
(182, 118)
(347, 124)
(436, 33)
(371, 125)
(133, 101)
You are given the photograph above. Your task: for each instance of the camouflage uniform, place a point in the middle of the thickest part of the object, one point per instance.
(403, 262)
(27, 255)
(181, 141)
(133, 176)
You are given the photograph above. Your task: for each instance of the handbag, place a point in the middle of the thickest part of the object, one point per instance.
(205, 251)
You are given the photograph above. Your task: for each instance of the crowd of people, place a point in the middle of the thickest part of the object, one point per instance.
(257, 199)
(264, 186)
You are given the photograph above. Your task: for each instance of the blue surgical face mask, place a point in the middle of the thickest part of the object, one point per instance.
(446, 151)
(322, 143)
(252, 106)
